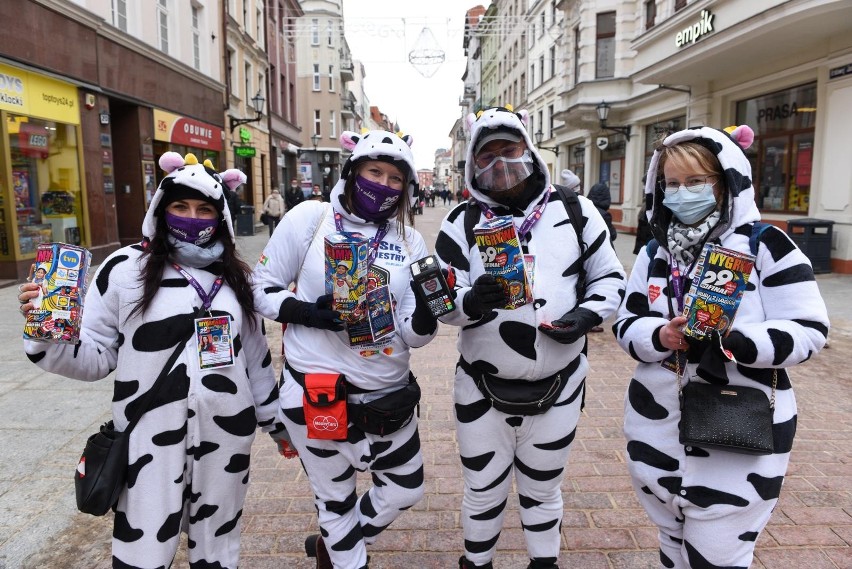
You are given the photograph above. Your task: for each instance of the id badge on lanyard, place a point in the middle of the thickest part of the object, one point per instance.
(214, 342)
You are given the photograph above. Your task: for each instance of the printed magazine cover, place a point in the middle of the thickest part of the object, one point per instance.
(721, 276)
(500, 249)
(60, 271)
(346, 274)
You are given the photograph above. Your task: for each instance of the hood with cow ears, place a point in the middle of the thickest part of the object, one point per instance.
(186, 173)
(729, 147)
(495, 119)
(393, 148)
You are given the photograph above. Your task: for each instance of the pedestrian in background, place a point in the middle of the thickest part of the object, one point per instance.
(188, 456)
(294, 195)
(532, 354)
(600, 196)
(274, 208)
(571, 181)
(316, 193)
(711, 505)
(643, 228)
(373, 197)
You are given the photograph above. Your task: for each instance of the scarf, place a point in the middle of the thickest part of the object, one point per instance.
(685, 241)
(189, 255)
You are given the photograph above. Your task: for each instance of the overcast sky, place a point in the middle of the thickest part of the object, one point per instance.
(381, 33)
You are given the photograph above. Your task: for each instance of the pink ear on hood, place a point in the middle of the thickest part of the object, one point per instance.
(743, 135)
(469, 120)
(349, 139)
(524, 115)
(233, 178)
(171, 161)
(408, 139)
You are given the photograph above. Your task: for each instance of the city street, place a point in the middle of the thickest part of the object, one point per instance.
(45, 420)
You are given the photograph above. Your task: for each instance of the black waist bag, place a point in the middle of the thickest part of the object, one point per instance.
(519, 397)
(388, 413)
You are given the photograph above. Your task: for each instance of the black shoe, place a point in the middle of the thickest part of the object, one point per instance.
(542, 564)
(315, 547)
(465, 564)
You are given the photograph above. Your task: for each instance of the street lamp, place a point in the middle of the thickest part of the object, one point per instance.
(315, 140)
(538, 136)
(603, 113)
(257, 102)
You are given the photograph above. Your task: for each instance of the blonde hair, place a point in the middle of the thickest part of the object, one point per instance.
(686, 155)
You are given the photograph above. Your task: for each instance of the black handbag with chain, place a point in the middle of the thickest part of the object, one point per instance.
(734, 418)
(101, 472)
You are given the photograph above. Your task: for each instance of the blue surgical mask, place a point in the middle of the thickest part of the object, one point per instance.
(689, 206)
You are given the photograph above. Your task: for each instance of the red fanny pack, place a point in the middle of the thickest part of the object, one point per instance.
(325, 406)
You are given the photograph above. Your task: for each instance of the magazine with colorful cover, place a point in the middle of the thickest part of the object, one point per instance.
(346, 274)
(717, 287)
(60, 271)
(500, 249)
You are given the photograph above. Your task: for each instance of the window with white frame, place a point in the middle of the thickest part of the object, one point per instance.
(314, 31)
(317, 123)
(553, 61)
(196, 38)
(550, 113)
(247, 84)
(119, 14)
(605, 45)
(331, 78)
(576, 55)
(163, 24)
(231, 71)
(316, 77)
(532, 76)
(258, 25)
(329, 31)
(332, 125)
(541, 68)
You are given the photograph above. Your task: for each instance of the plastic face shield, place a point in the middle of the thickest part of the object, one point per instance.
(502, 173)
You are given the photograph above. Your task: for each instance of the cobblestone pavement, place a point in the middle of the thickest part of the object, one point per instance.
(45, 419)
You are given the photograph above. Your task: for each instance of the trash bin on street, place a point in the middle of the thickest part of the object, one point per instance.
(813, 237)
(245, 220)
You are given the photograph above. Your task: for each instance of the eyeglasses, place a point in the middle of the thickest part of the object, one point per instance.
(692, 184)
(510, 151)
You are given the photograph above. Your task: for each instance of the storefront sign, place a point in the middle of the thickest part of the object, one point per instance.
(245, 151)
(694, 32)
(169, 127)
(841, 71)
(33, 140)
(25, 93)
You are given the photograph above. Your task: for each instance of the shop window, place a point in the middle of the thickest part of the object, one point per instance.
(782, 154)
(45, 185)
(612, 167)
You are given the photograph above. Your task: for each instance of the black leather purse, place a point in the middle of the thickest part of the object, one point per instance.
(101, 472)
(733, 418)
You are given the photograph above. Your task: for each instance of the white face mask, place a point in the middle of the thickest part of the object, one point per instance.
(691, 206)
(503, 173)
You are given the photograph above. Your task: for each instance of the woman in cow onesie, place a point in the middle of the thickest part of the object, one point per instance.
(537, 341)
(189, 454)
(711, 505)
(373, 197)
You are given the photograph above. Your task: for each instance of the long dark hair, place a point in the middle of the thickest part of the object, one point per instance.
(236, 272)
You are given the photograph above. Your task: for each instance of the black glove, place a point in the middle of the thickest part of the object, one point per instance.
(485, 295)
(573, 325)
(422, 321)
(740, 346)
(711, 364)
(311, 314)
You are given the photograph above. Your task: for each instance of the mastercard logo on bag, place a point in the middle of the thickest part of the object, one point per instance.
(325, 423)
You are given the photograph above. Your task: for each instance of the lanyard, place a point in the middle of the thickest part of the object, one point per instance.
(206, 298)
(677, 282)
(528, 222)
(374, 241)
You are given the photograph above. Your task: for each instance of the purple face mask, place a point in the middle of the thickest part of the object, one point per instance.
(190, 230)
(374, 201)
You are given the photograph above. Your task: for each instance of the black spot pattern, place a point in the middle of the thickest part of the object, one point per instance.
(642, 401)
(697, 561)
(175, 388)
(766, 488)
(168, 438)
(37, 357)
(347, 543)
(295, 414)
(102, 281)
(558, 443)
(520, 337)
(321, 452)
(496, 482)
(642, 452)
(665, 561)
(400, 455)
(123, 531)
(219, 383)
(791, 275)
(490, 514)
(478, 462)
(472, 412)
(242, 424)
(783, 343)
(162, 334)
(203, 512)
(343, 506)
(238, 463)
(347, 474)
(535, 474)
(204, 564)
(481, 546)
(704, 497)
(123, 389)
(203, 448)
(411, 481)
(748, 536)
(450, 252)
(783, 434)
(544, 526)
(365, 506)
(526, 502)
(170, 527)
(514, 422)
(227, 527)
(135, 468)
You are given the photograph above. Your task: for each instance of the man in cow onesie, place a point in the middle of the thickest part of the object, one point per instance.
(189, 455)
(540, 343)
